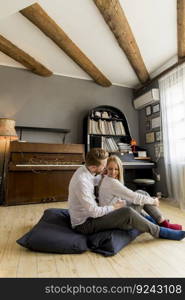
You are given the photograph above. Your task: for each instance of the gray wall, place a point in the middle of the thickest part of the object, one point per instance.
(63, 102)
(160, 169)
(59, 102)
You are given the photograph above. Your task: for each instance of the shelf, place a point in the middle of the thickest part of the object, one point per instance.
(96, 125)
(107, 135)
(43, 129)
(105, 119)
(57, 130)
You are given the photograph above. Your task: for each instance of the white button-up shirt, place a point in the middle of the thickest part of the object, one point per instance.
(81, 199)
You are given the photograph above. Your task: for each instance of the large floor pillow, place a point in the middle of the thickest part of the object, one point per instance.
(53, 233)
(110, 242)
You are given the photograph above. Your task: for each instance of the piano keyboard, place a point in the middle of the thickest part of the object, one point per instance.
(137, 163)
(46, 165)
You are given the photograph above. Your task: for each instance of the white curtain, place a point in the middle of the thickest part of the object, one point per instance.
(172, 94)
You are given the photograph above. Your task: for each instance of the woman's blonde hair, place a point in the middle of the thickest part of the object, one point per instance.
(117, 160)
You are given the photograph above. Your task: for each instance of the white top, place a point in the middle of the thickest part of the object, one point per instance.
(81, 199)
(112, 189)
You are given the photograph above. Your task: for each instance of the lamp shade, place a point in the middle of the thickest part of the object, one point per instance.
(7, 129)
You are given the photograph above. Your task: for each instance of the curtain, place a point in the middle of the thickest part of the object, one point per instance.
(172, 94)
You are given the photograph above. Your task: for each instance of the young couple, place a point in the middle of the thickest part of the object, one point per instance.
(119, 207)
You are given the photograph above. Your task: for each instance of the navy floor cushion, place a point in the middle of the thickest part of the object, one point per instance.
(110, 242)
(53, 233)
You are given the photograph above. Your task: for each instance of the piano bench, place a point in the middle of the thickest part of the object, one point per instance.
(145, 184)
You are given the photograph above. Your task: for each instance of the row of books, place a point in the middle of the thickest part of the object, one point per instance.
(104, 115)
(109, 144)
(106, 127)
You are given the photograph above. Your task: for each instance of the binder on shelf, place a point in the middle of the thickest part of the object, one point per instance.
(102, 126)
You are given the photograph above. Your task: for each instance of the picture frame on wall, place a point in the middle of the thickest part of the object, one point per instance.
(155, 108)
(148, 110)
(158, 136)
(150, 137)
(155, 122)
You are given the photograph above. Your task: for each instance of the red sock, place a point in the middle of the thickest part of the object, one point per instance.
(167, 224)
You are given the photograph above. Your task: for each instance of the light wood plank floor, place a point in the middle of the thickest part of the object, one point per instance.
(144, 257)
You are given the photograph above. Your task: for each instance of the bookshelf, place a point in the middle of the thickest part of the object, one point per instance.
(106, 127)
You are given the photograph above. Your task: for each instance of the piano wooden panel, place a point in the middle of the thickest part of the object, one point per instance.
(40, 172)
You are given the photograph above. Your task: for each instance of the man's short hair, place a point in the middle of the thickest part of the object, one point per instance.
(95, 156)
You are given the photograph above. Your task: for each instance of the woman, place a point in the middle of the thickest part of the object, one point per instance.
(112, 188)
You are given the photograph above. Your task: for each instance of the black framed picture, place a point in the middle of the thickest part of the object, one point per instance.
(155, 122)
(150, 137)
(157, 136)
(148, 110)
(155, 108)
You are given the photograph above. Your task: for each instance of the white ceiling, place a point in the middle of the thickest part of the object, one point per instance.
(153, 23)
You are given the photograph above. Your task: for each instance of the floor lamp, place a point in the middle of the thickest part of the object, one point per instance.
(7, 134)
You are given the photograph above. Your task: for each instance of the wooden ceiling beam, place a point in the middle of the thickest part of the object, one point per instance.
(47, 25)
(114, 16)
(181, 28)
(22, 57)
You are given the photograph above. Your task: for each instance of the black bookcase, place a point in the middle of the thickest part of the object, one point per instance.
(106, 127)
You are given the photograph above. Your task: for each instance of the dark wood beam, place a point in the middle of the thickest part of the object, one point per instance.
(47, 25)
(181, 28)
(114, 16)
(22, 57)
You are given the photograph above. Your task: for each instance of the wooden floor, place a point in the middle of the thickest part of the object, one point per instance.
(144, 257)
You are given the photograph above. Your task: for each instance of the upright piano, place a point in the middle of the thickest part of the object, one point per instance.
(129, 161)
(39, 172)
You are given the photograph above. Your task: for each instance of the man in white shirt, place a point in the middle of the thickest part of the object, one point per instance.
(87, 217)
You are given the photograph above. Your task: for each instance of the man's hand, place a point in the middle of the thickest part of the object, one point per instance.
(119, 204)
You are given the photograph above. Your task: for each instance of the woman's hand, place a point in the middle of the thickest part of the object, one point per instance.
(156, 203)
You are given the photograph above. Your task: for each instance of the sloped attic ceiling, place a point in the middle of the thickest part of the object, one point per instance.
(152, 22)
